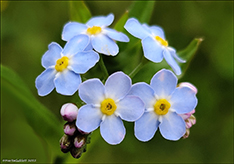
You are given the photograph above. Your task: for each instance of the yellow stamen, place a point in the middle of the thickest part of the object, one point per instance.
(161, 41)
(61, 64)
(161, 107)
(94, 30)
(108, 106)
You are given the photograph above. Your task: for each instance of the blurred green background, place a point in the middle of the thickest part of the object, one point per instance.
(28, 27)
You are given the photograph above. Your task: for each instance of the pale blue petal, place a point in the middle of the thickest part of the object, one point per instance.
(172, 126)
(146, 126)
(136, 29)
(72, 29)
(45, 81)
(145, 92)
(173, 53)
(130, 108)
(92, 91)
(52, 55)
(115, 35)
(147, 27)
(183, 100)
(89, 47)
(152, 49)
(112, 130)
(88, 118)
(83, 61)
(101, 21)
(67, 82)
(157, 31)
(105, 45)
(171, 61)
(75, 45)
(117, 86)
(164, 83)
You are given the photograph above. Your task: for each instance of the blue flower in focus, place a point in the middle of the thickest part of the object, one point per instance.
(163, 102)
(102, 38)
(154, 45)
(64, 66)
(106, 105)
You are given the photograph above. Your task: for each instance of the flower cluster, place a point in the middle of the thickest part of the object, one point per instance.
(74, 140)
(162, 104)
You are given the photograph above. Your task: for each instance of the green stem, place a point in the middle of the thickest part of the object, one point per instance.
(138, 67)
(103, 68)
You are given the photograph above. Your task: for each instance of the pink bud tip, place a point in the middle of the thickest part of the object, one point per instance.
(186, 84)
(69, 112)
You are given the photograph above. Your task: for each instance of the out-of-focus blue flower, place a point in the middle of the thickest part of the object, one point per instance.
(163, 102)
(64, 66)
(102, 38)
(154, 45)
(106, 105)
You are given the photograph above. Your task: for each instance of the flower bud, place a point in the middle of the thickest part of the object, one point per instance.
(65, 143)
(76, 152)
(190, 121)
(69, 112)
(69, 128)
(79, 141)
(189, 85)
(187, 115)
(186, 133)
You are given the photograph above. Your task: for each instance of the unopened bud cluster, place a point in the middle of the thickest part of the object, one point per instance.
(73, 140)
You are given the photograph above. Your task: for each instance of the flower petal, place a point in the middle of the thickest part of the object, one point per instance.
(171, 61)
(92, 91)
(83, 61)
(146, 126)
(157, 31)
(130, 108)
(72, 29)
(164, 83)
(145, 92)
(115, 35)
(52, 55)
(102, 21)
(152, 49)
(173, 52)
(75, 45)
(67, 82)
(105, 45)
(88, 118)
(117, 86)
(183, 100)
(44, 82)
(112, 130)
(136, 29)
(172, 126)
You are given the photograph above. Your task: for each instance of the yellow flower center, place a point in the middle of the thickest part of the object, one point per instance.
(161, 41)
(61, 64)
(161, 107)
(108, 106)
(94, 30)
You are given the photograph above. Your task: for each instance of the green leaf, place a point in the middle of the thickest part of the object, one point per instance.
(188, 54)
(79, 12)
(142, 10)
(119, 26)
(44, 122)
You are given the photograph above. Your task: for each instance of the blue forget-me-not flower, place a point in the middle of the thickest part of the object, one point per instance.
(106, 106)
(164, 101)
(64, 66)
(154, 44)
(102, 38)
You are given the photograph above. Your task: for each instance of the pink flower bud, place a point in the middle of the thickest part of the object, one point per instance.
(69, 128)
(186, 84)
(79, 141)
(187, 115)
(190, 121)
(186, 133)
(65, 143)
(69, 112)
